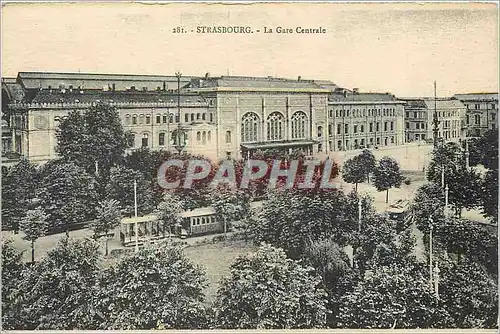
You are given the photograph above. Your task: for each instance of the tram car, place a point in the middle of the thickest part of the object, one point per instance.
(400, 213)
(198, 222)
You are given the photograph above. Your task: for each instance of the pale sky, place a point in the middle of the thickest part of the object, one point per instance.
(400, 48)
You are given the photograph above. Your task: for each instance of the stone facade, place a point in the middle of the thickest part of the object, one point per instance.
(482, 112)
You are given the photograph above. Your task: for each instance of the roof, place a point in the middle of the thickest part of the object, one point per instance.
(14, 90)
(141, 219)
(35, 80)
(415, 103)
(362, 97)
(257, 82)
(89, 96)
(206, 211)
(444, 104)
(487, 97)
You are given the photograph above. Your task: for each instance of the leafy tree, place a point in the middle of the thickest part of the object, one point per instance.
(367, 160)
(353, 171)
(291, 219)
(34, 225)
(12, 267)
(428, 202)
(54, 293)
(396, 296)
(230, 205)
(121, 189)
(93, 135)
(19, 187)
(68, 195)
(332, 265)
(489, 195)
(108, 217)
(470, 295)
(156, 287)
(169, 212)
(387, 175)
(464, 189)
(448, 158)
(266, 290)
(484, 150)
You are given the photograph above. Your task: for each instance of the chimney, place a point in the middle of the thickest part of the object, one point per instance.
(114, 87)
(345, 93)
(299, 77)
(355, 90)
(164, 86)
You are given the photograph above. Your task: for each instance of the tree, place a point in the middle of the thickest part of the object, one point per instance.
(108, 217)
(54, 293)
(169, 212)
(353, 171)
(156, 287)
(428, 202)
(396, 296)
(19, 187)
(464, 189)
(121, 189)
(68, 195)
(447, 158)
(266, 290)
(12, 268)
(489, 195)
(387, 175)
(332, 265)
(470, 295)
(292, 218)
(230, 205)
(95, 135)
(367, 160)
(34, 225)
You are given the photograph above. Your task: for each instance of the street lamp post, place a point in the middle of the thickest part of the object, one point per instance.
(180, 141)
(446, 199)
(430, 251)
(136, 222)
(360, 210)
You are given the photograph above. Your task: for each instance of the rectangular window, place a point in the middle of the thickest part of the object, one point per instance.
(392, 126)
(164, 118)
(186, 118)
(414, 115)
(493, 106)
(134, 119)
(477, 119)
(476, 106)
(339, 128)
(385, 126)
(371, 127)
(355, 129)
(228, 137)
(493, 116)
(161, 139)
(346, 128)
(407, 114)
(362, 128)
(158, 119)
(407, 125)
(148, 119)
(378, 127)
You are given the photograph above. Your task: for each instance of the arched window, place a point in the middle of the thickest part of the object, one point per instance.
(161, 139)
(145, 140)
(198, 115)
(198, 136)
(299, 125)
(204, 137)
(320, 131)
(192, 117)
(203, 116)
(127, 119)
(186, 118)
(249, 127)
(209, 135)
(275, 126)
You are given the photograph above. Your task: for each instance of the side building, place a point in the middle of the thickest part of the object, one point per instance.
(419, 118)
(482, 112)
(364, 120)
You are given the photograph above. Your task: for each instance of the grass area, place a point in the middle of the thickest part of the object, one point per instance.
(216, 260)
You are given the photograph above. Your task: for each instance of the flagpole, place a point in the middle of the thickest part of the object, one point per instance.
(136, 223)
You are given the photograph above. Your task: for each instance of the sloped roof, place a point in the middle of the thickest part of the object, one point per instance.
(414, 103)
(477, 97)
(44, 96)
(444, 104)
(362, 97)
(15, 91)
(35, 80)
(256, 82)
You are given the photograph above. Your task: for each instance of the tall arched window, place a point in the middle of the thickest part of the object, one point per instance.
(249, 127)
(275, 126)
(299, 125)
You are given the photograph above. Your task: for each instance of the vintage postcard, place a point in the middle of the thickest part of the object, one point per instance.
(260, 166)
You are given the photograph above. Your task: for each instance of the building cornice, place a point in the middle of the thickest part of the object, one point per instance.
(364, 102)
(261, 90)
(121, 105)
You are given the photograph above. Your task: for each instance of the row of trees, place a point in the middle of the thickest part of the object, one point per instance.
(387, 173)
(159, 288)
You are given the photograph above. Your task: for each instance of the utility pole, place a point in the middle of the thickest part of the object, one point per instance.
(446, 198)
(136, 222)
(96, 167)
(442, 176)
(430, 251)
(436, 280)
(466, 152)
(360, 210)
(435, 120)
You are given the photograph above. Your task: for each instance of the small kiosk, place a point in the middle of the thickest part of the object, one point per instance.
(149, 228)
